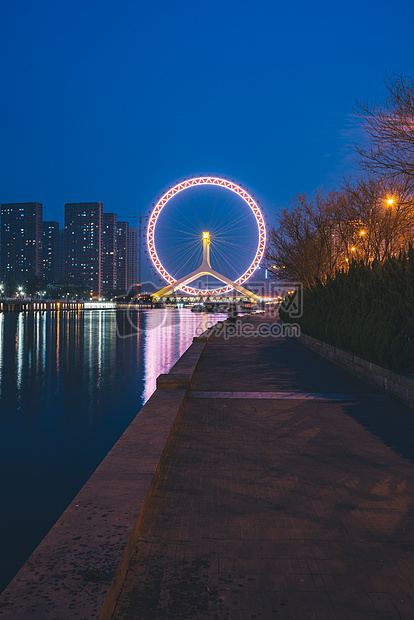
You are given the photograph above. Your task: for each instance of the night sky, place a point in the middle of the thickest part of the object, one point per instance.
(116, 101)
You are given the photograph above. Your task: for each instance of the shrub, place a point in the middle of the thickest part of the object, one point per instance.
(368, 310)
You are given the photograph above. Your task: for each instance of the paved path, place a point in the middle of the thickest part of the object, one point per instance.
(279, 507)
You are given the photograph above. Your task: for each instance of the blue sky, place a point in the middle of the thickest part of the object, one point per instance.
(116, 101)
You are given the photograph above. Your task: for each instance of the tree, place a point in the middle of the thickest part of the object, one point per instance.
(34, 286)
(374, 217)
(390, 129)
(10, 286)
(368, 219)
(302, 245)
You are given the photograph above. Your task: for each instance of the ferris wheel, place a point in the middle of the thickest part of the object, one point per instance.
(205, 217)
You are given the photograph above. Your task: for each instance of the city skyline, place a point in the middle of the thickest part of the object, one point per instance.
(94, 248)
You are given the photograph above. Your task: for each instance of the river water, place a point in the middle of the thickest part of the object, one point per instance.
(70, 384)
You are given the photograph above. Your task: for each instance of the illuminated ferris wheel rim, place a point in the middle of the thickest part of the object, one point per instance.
(206, 180)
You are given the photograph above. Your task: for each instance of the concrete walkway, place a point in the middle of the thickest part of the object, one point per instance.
(276, 499)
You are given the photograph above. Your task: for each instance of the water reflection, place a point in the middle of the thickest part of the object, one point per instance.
(19, 353)
(167, 335)
(1, 349)
(70, 383)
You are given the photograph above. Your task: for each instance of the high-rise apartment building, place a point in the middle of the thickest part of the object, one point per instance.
(109, 251)
(60, 268)
(51, 251)
(122, 252)
(21, 240)
(83, 239)
(132, 257)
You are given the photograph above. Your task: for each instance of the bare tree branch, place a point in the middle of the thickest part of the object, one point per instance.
(390, 129)
(368, 219)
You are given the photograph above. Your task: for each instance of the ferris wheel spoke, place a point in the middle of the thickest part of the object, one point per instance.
(242, 222)
(234, 228)
(235, 224)
(230, 260)
(227, 219)
(174, 256)
(194, 240)
(229, 212)
(184, 259)
(231, 234)
(226, 260)
(222, 213)
(212, 213)
(183, 214)
(229, 245)
(181, 223)
(185, 262)
(234, 250)
(183, 249)
(181, 226)
(190, 205)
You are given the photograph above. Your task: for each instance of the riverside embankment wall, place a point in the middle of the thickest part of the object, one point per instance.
(78, 565)
(26, 305)
(398, 385)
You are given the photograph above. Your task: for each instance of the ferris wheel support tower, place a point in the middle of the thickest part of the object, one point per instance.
(205, 269)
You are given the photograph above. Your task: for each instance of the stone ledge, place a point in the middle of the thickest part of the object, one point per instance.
(397, 385)
(172, 382)
(200, 339)
(187, 363)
